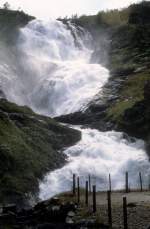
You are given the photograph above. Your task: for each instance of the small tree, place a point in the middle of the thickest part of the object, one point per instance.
(6, 6)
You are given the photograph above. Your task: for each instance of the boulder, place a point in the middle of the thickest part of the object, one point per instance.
(10, 208)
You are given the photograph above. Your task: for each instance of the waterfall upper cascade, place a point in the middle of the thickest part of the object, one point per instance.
(54, 76)
(57, 75)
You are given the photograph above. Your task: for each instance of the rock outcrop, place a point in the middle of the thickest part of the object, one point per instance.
(30, 146)
(50, 214)
(136, 120)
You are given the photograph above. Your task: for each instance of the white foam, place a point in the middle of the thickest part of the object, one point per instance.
(64, 80)
(98, 154)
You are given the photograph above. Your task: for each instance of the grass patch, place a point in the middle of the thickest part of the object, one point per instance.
(134, 87)
(132, 92)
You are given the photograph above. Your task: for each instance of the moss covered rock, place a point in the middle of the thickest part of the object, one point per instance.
(30, 146)
(10, 22)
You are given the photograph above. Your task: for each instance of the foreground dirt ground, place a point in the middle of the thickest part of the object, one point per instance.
(138, 209)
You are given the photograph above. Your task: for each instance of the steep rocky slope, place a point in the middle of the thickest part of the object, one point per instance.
(130, 69)
(30, 146)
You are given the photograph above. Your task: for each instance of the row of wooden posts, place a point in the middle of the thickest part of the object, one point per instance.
(127, 188)
(92, 189)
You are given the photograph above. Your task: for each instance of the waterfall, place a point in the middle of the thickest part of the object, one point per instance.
(58, 78)
(54, 76)
(100, 154)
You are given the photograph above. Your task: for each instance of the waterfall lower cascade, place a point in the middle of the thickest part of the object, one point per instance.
(98, 154)
(54, 76)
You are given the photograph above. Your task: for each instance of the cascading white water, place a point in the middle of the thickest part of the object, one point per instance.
(99, 154)
(54, 76)
(60, 79)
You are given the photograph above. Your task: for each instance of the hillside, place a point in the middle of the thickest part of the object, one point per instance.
(30, 146)
(10, 22)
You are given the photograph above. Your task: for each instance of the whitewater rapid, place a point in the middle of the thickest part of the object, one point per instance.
(54, 76)
(99, 154)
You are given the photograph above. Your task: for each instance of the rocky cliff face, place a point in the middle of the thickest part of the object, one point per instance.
(129, 64)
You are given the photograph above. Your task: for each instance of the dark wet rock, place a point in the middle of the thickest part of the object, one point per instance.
(122, 71)
(71, 214)
(140, 69)
(10, 208)
(45, 215)
(97, 107)
(69, 220)
(88, 119)
(52, 212)
(77, 118)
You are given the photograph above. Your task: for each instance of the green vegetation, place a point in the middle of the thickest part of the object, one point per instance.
(134, 14)
(104, 18)
(29, 147)
(10, 22)
(131, 92)
(129, 58)
(139, 13)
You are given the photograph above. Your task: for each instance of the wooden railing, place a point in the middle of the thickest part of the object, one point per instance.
(91, 190)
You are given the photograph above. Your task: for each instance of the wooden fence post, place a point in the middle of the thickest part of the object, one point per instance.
(74, 184)
(78, 190)
(109, 182)
(90, 183)
(94, 198)
(125, 214)
(109, 209)
(86, 193)
(141, 182)
(127, 182)
(149, 182)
